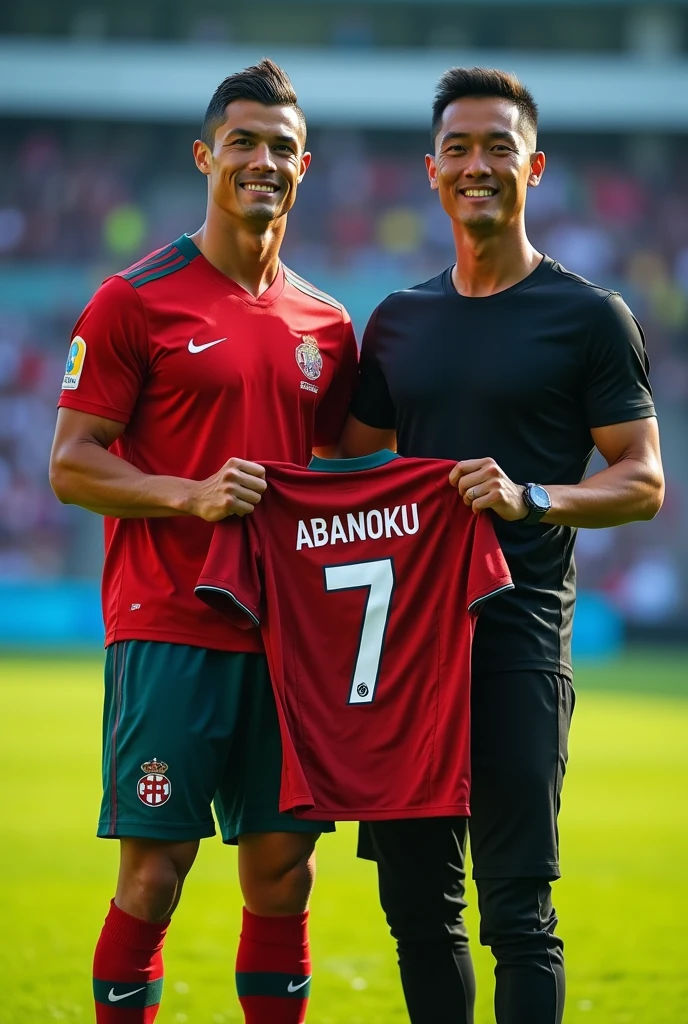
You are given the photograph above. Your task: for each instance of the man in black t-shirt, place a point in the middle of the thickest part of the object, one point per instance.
(520, 369)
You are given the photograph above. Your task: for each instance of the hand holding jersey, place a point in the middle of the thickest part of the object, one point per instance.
(235, 490)
(484, 485)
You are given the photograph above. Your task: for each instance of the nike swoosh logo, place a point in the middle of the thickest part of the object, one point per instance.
(291, 987)
(112, 998)
(201, 348)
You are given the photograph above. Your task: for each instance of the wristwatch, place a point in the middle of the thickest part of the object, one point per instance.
(537, 501)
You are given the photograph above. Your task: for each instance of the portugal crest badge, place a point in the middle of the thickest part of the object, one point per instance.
(154, 789)
(308, 357)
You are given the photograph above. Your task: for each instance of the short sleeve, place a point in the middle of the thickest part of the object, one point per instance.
(332, 410)
(617, 387)
(372, 402)
(488, 573)
(108, 354)
(231, 579)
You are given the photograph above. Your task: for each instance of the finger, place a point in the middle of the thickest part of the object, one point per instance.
(471, 465)
(248, 483)
(240, 508)
(483, 502)
(462, 469)
(473, 480)
(252, 468)
(247, 495)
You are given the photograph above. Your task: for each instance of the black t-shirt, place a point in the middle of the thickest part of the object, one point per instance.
(521, 377)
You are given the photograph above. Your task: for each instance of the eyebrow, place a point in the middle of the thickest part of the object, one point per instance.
(254, 135)
(507, 136)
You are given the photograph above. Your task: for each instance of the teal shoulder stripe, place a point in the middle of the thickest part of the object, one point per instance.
(310, 289)
(150, 263)
(153, 275)
(270, 983)
(127, 995)
(188, 247)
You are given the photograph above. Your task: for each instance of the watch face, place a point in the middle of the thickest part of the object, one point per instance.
(539, 497)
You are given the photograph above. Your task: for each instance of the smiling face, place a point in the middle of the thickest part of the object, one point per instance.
(484, 163)
(256, 162)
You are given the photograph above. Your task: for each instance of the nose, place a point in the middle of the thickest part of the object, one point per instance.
(262, 159)
(477, 165)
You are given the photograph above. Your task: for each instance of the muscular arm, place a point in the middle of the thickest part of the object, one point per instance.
(359, 439)
(83, 472)
(630, 488)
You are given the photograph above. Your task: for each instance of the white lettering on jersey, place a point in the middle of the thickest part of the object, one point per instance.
(337, 531)
(356, 526)
(359, 525)
(320, 535)
(404, 517)
(390, 522)
(303, 536)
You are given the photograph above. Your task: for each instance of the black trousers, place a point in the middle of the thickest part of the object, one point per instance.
(519, 736)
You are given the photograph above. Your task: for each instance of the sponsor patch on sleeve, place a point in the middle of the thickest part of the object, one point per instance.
(75, 364)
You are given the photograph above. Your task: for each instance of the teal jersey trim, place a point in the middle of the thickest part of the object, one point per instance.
(127, 995)
(187, 247)
(374, 461)
(272, 983)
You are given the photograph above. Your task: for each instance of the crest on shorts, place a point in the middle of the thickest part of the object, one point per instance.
(154, 789)
(308, 357)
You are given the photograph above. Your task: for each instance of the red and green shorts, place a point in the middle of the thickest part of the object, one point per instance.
(183, 728)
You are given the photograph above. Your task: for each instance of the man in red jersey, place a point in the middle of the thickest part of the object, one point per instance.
(184, 372)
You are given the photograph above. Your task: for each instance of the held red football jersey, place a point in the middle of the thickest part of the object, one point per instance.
(199, 371)
(365, 576)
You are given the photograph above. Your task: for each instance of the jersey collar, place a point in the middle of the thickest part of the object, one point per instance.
(373, 461)
(189, 249)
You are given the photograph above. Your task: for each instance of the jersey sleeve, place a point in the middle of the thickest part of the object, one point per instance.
(372, 403)
(488, 573)
(617, 387)
(332, 411)
(108, 354)
(231, 579)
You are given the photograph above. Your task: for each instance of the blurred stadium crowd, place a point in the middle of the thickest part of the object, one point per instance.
(99, 196)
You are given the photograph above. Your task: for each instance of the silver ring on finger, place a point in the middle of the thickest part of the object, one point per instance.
(471, 493)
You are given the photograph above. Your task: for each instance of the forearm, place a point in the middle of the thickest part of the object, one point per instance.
(625, 492)
(89, 475)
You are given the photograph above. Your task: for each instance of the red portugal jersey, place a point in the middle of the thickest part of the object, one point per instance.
(365, 576)
(200, 371)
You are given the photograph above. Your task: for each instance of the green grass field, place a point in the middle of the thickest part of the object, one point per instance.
(622, 901)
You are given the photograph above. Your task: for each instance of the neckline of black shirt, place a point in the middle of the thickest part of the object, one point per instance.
(530, 279)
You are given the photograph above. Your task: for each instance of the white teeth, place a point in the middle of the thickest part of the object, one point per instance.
(479, 192)
(260, 188)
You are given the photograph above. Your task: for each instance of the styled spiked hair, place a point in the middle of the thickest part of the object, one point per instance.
(459, 83)
(264, 82)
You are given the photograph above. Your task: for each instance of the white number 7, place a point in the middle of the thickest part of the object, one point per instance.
(378, 578)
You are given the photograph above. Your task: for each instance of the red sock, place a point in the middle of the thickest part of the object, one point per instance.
(273, 969)
(127, 969)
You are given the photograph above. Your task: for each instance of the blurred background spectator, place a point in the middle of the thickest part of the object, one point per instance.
(81, 197)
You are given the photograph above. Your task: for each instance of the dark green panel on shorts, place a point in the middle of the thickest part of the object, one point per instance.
(183, 727)
(272, 983)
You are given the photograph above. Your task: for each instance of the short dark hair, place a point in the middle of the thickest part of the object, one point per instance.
(458, 83)
(264, 82)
